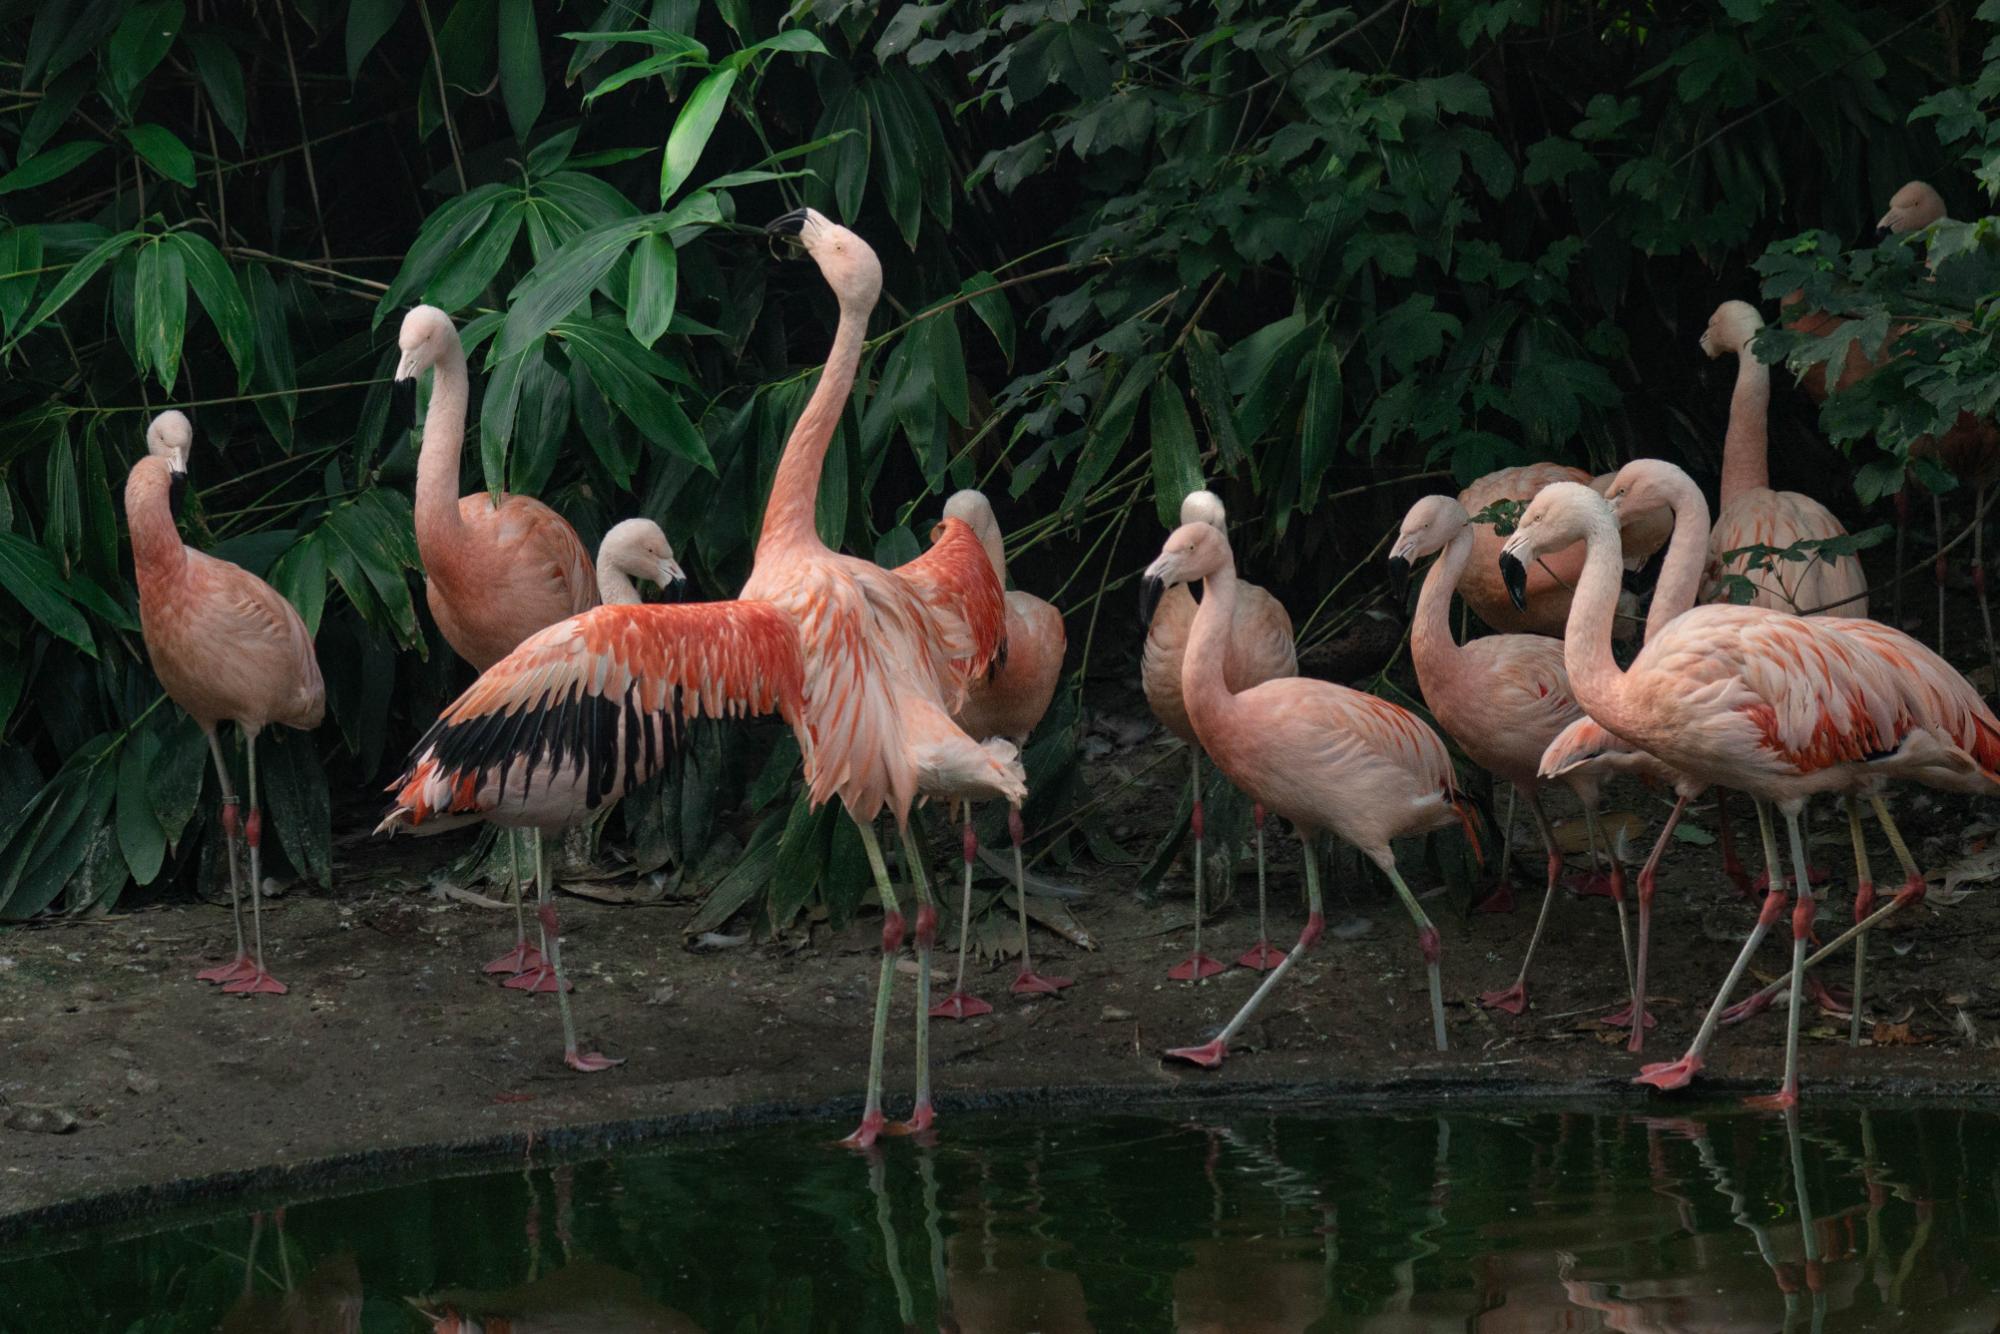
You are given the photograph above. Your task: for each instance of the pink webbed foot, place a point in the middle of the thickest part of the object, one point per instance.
(1263, 956)
(867, 1132)
(539, 978)
(1207, 1057)
(1589, 884)
(960, 1005)
(922, 1118)
(1840, 1000)
(1513, 1000)
(1774, 1102)
(1746, 1008)
(1194, 967)
(1740, 885)
(590, 1062)
(1670, 1074)
(1500, 899)
(234, 971)
(1623, 1019)
(257, 984)
(522, 958)
(1031, 983)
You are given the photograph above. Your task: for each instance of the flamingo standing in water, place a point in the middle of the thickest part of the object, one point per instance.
(496, 569)
(1007, 702)
(1259, 649)
(225, 645)
(865, 663)
(1776, 705)
(1321, 755)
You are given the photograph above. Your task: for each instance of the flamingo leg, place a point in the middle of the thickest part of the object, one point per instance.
(1507, 842)
(259, 982)
(1648, 874)
(545, 902)
(1028, 981)
(892, 941)
(523, 957)
(892, 1251)
(1676, 1074)
(1802, 916)
(1211, 1054)
(921, 1115)
(538, 973)
(1197, 965)
(1864, 903)
(1731, 865)
(958, 1005)
(1909, 894)
(1616, 879)
(1263, 955)
(1428, 941)
(239, 967)
(1515, 999)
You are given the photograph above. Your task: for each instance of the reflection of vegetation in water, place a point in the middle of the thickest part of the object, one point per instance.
(1837, 1221)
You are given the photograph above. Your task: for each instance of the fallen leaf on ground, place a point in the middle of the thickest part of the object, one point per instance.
(634, 892)
(1111, 1014)
(1898, 1035)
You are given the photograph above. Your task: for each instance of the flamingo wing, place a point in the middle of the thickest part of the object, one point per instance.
(1780, 519)
(955, 581)
(586, 710)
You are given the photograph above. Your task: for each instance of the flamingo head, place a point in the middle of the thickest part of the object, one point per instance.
(1911, 209)
(1204, 507)
(638, 549)
(1731, 328)
(846, 261)
(1561, 515)
(1653, 484)
(1192, 551)
(976, 512)
(427, 336)
(170, 437)
(1429, 527)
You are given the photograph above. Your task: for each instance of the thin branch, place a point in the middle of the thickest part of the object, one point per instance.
(305, 134)
(444, 96)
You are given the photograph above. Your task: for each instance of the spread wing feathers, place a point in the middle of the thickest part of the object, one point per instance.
(584, 711)
(1779, 519)
(955, 582)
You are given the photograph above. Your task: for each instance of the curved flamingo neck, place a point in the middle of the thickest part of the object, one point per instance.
(1687, 556)
(1433, 650)
(1594, 674)
(444, 443)
(614, 587)
(157, 550)
(790, 514)
(1206, 694)
(1746, 462)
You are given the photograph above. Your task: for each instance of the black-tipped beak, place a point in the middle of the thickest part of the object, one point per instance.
(1883, 232)
(177, 490)
(1515, 576)
(1399, 579)
(789, 224)
(1151, 590)
(403, 404)
(676, 589)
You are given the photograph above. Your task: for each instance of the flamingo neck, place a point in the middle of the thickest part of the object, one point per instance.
(444, 443)
(1432, 649)
(157, 550)
(1593, 673)
(1746, 463)
(790, 513)
(1687, 556)
(1207, 695)
(614, 587)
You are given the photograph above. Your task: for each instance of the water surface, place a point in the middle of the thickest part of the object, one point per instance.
(1497, 1224)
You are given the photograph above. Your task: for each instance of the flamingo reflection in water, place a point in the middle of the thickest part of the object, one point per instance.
(327, 1302)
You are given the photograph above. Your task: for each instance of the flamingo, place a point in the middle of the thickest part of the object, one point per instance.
(1007, 702)
(1752, 514)
(1260, 649)
(866, 665)
(496, 568)
(1503, 698)
(636, 549)
(1776, 705)
(1321, 755)
(224, 645)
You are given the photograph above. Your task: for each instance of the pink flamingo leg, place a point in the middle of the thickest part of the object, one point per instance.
(240, 967)
(1739, 879)
(959, 1005)
(1515, 999)
(1030, 982)
(545, 902)
(1211, 1054)
(1263, 955)
(540, 973)
(1676, 1074)
(922, 1116)
(1864, 906)
(523, 957)
(260, 982)
(1647, 875)
(1802, 917)
(872, 1119)
(1197, 965)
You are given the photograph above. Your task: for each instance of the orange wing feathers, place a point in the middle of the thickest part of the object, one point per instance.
(955, 580)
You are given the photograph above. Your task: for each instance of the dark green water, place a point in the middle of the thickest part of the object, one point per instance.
(1500, 1224)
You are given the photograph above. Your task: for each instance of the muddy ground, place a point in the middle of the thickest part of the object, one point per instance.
(391, 1036)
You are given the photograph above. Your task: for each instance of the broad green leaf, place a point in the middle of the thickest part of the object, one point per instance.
(521, 86)
(466, 45)
(140, 837)
(664, 63)
(692, 128)
(992, 309)
(464, 276)
(437, 240)
(620, 370)
(496, 415)
(300, 575)
(655, 283)
(164, 152)
(1320, 437)
(795, 40)
(665, 41)
(368, 22)
(560, 283)
(174, 779)
(160, 309)
(895, 169)
(20, 258)
(1211, 390)
(276, 373)
(50, 165)
(143, 38)
(62, 509)
(294, 788)
(27, 574)
(802, 852)
(85, 592)
(1107, 432)
(540, 421)
(1176, 457)
(100, 524)
(216, 288)
(947, 362)
(222, 79)
(72, 282)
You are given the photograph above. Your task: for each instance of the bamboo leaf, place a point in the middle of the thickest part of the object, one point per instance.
(159, 311)
(174, 777)
(692, 128)
(655, 284)
(496, 416)
(1176, 458)
(947, 360)
(1211, 390)
(20, 257)
(164, 152)
(629, 376)
(521, 84)
(294, 786)
(49, 166)
(992, 309)
(1108, 431)
(140, 837)
(437, 240)
(216, 288)
(561, 283)
(368, 22)
(31, 579)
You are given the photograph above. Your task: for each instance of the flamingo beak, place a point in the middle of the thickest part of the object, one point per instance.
(403, 401)
(1515, 576)
(1399, 577)
(1151, 590)
(177, 488)
(789, 224)
(673, 581)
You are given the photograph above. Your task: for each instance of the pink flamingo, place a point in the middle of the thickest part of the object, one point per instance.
(1321, 755)
(1503, 698)
(1260, 649)
(225, 645)
(1007, 702)
(636, 549)
(496, 568)
(1776, 705)
(865, 663)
